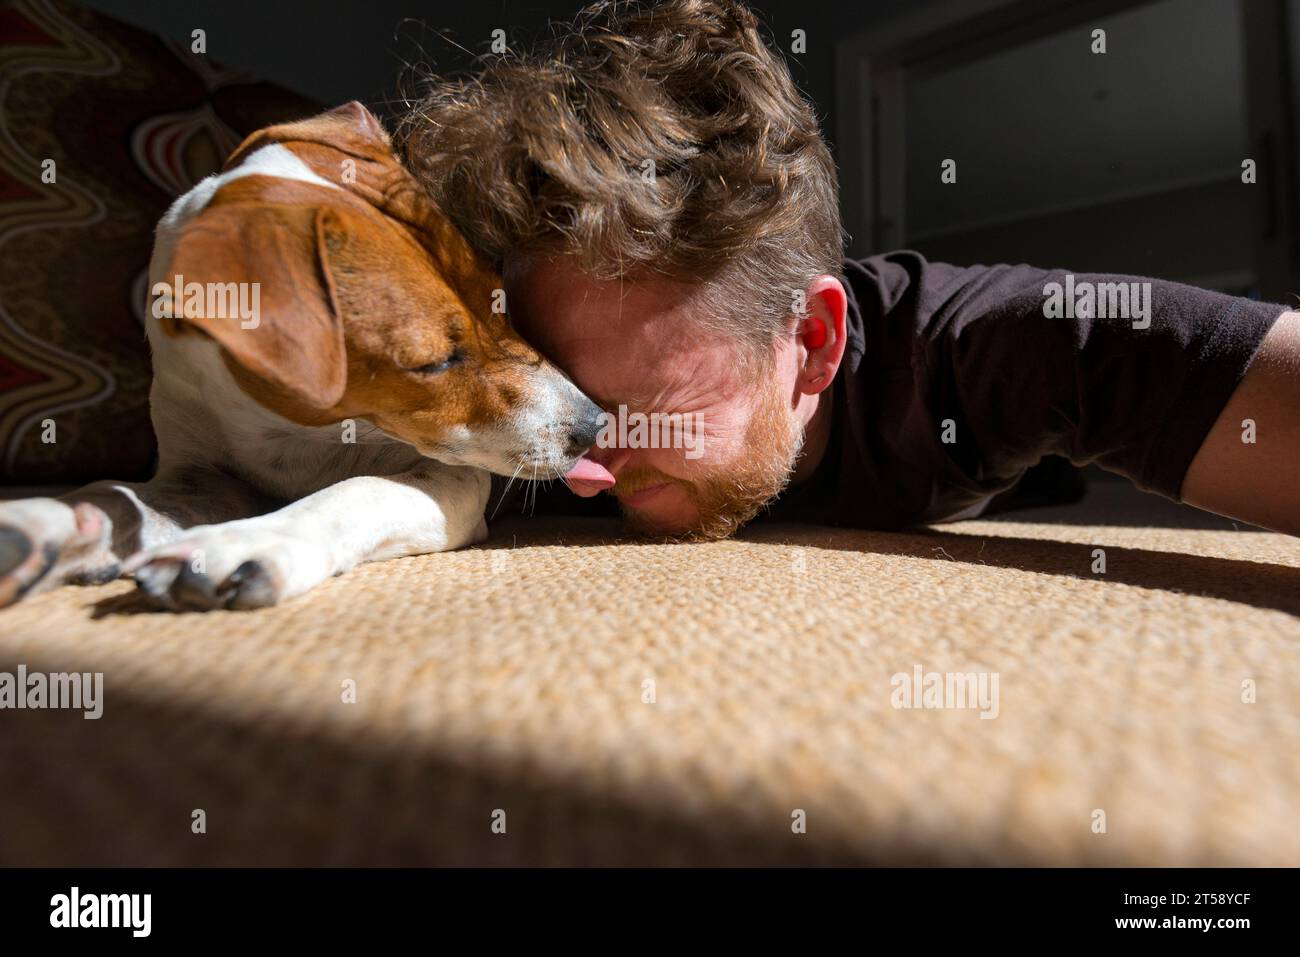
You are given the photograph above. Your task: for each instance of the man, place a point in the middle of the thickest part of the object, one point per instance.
(665, 213)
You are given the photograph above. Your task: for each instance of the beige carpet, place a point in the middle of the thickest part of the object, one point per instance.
(514, 678)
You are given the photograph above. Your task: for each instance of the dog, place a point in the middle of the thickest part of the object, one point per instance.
(350, 410)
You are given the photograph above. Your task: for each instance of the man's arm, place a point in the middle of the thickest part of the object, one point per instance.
(1248, 467)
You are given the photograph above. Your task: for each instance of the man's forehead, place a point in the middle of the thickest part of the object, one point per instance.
(631, 342)
(558, 293)
(643, 372)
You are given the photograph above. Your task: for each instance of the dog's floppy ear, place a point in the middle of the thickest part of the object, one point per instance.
(350, 128)
(292, 337)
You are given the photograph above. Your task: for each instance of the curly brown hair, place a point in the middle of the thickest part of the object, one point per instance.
(642, 139)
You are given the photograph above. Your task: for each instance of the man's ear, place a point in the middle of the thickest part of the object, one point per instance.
(272, 264)
(821, 332)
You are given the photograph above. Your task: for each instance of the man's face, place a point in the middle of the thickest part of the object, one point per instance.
(636, 346)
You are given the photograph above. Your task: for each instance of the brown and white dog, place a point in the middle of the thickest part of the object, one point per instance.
(373, 391)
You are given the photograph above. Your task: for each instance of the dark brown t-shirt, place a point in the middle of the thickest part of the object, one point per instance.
(956, 380)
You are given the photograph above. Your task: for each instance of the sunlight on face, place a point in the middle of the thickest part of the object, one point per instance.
(635, 346)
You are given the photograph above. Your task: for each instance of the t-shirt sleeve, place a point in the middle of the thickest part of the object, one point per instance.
(1127, 372)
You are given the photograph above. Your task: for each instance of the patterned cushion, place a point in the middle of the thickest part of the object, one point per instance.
(130, 121)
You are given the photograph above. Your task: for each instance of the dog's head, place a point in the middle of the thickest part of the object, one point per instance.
(368, 303)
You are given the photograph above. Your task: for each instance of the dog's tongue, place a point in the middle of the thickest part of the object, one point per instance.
(588, 478)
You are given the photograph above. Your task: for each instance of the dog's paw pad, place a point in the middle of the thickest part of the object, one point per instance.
(173, 583)
(170, 578)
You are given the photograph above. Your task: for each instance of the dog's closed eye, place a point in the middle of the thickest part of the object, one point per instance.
(433, 368)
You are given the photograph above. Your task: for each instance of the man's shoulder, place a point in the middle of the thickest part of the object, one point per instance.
(926, 296)
(902, 269)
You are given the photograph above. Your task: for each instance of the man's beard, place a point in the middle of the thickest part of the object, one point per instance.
(727, 499)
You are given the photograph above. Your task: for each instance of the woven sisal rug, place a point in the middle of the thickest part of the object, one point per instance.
(558, 697)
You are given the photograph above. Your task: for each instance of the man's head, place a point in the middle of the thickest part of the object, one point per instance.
(665, 211)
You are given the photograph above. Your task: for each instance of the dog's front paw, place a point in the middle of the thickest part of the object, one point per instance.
(227, 566)
(45, 543)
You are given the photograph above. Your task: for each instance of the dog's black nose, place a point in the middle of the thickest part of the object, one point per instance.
(585, 430)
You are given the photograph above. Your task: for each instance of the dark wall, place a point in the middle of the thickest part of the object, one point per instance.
(359, 49)
(334, 51)
(356, 49)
